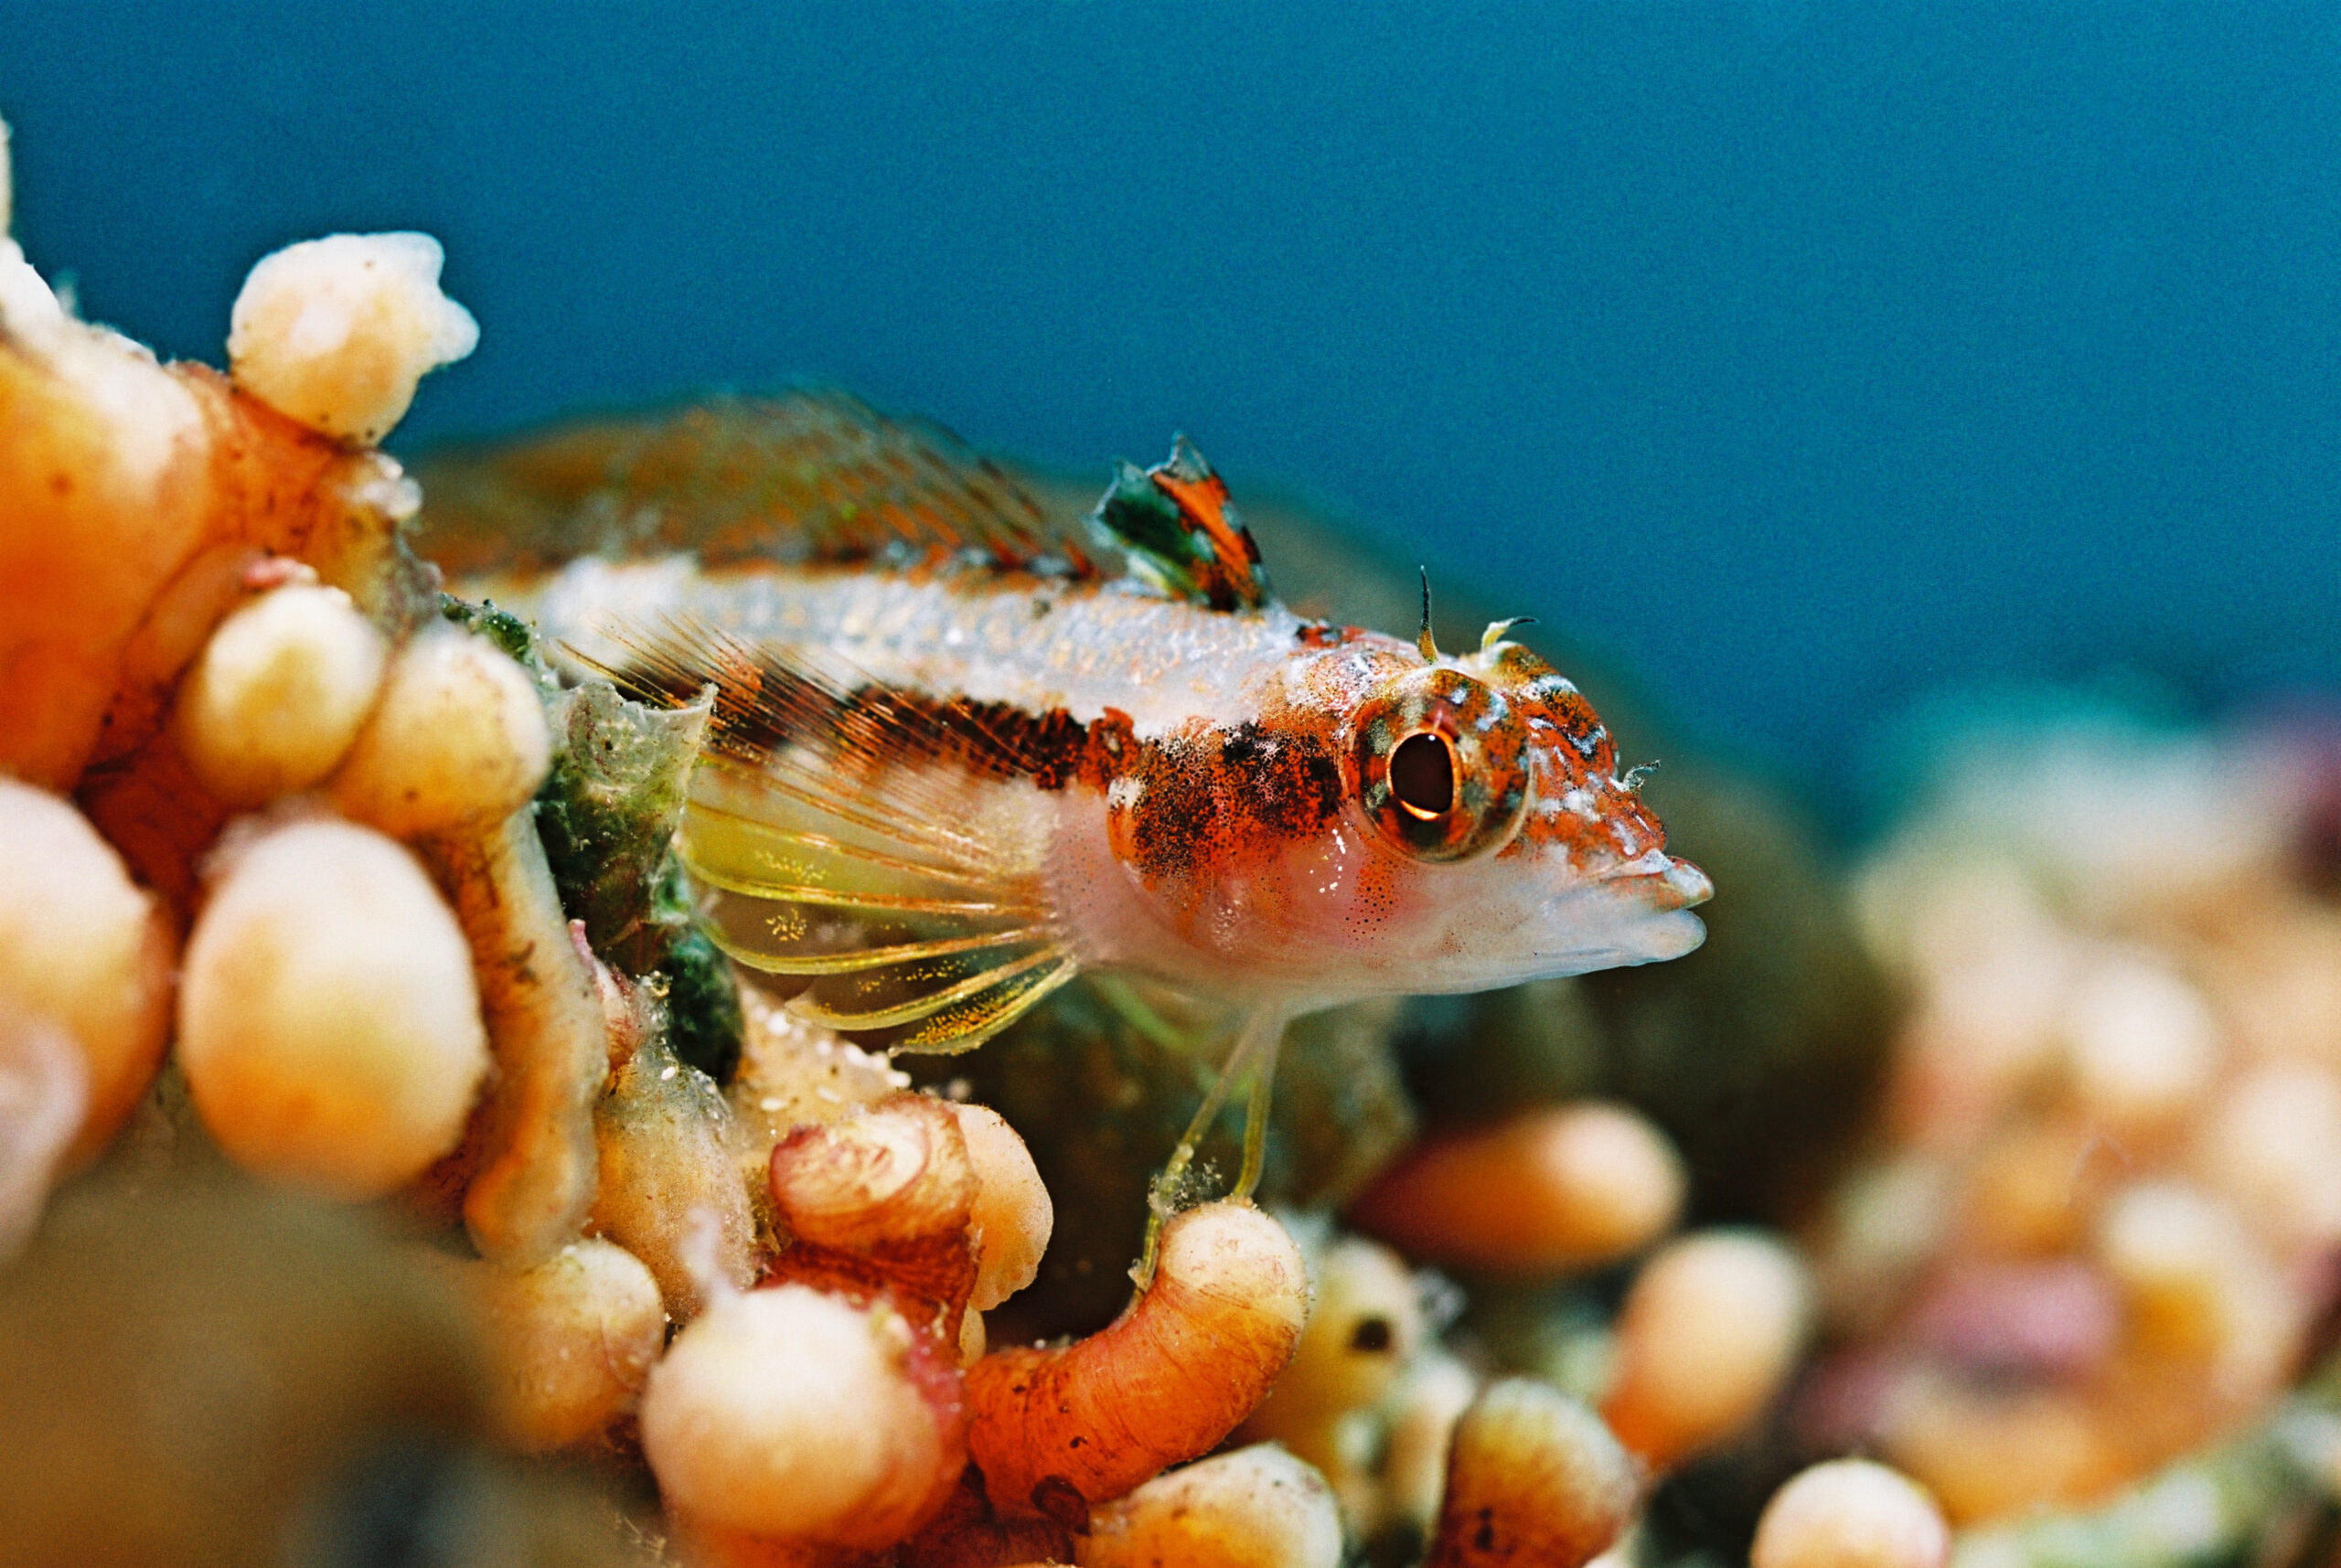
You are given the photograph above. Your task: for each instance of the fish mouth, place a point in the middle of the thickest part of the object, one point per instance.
(1639, 912)
(1666, 883)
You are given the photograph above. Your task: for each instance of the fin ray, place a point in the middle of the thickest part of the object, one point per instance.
(901, 845)
(842, 898)
(914, 1004)
(809, 476)
(878, 956)
(818, 845)
(966, 1024)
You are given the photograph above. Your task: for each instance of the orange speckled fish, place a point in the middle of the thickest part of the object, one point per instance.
(957, 757)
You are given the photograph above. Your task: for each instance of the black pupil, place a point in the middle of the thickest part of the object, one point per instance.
(1422, 776)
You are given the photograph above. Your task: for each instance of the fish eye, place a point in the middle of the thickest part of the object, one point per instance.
(1422, 776)
(1437, 765)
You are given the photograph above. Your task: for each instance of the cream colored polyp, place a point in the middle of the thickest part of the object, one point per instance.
(336, 332)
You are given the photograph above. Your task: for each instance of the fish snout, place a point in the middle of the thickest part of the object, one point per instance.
(1667, 883)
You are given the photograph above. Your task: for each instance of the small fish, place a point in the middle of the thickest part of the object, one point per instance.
(959, 756)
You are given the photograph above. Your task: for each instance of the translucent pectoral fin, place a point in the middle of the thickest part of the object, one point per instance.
(882, 850)
(962, 1019)
(896, 937)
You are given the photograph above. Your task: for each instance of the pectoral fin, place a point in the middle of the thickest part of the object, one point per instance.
(842, 844)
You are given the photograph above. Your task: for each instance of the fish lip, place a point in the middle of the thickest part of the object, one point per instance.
(1636, 913)
(1668, 884)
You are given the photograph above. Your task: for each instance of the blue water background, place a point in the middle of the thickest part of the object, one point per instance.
(1811, 355)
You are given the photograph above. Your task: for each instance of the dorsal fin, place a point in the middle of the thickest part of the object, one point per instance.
(1181, 533)
(816, 477)
(806, 477)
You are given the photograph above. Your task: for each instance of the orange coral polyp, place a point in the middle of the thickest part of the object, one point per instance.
(878, 1205)
(1532, 1477)
(1057, 1431)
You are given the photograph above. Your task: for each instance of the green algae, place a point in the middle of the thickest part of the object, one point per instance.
(606, 814)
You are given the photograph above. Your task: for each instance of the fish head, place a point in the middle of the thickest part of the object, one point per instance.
(1386, 820)
(1489, 786)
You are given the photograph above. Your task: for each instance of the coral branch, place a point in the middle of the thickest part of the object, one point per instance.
(570, 1342)
(1850, 1513)
(669, 1192)
(1582, 1185)
(546, 1024)
(1364, 1328)
(277, 695)
(457, 742)
(82, 945)
(790, 1413)
(878, 1205)
(1057, 1431)
(328, 1026)
(1255, 1506)
(1535, 1477)
(44, 1090)
(336, 331)
(1013, 1215)
(1709, 1333)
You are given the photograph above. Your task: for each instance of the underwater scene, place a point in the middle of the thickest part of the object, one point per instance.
(1034, 782)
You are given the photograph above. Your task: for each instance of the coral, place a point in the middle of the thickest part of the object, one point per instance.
(137, 496)
(1255, 1506)
(457, 741)
(967, 1534)
(790, 1413)
(1101, 1083)
(1349, 1386)
(1532, 1477)
(2259, 1488)
(1057, 1431)
(792, 1073)
(84, 948)
(881, 1204)
(1365, 1324)
(44, 1092)
(1710, 1332)
(1583, 1184)
(1850, 1513)
(569, 1343)
(328, 1025)
(336, 331)
(2084, 1248)
(669, 1190)
(1422, 1413)
(539, 1164)
(272, 704)
(607, 815)
(1012, 1216)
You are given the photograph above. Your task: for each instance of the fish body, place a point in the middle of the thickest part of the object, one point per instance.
(951, 765)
